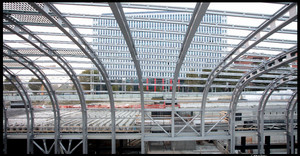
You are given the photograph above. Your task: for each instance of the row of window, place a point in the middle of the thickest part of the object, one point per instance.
(113, 73)
(156, 66)
(177, 17)
(158, 26)
(165, 57)
(168, 45)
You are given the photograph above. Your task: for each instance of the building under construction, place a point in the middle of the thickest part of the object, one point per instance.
(136, 78)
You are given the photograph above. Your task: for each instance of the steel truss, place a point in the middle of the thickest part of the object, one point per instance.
(236, 53)
(87, 51)
(30, 65)
(59, 20)
(47, 50)
(273, 63)
(14, 80)
(262, 105)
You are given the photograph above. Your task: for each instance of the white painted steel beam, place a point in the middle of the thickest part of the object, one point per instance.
(198, 14)
(124, 27)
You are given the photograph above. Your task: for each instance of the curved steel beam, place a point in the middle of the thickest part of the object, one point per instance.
(62, 62)
(236, 53)
(290, 109)
(196, 18)
(273, 63)
(262, 105)
(30, 65)
(122, 22)
(27, 104)
(88, 51)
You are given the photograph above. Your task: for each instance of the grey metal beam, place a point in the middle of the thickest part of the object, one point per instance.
(273, 63)
(87, 51)
(197, 16)
(122, 22)
(290, 109)
(15, 81)
(30, 65)
(236, 53)
(62, 62)
(262, 105)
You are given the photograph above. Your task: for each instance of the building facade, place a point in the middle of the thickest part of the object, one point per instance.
(158, 37)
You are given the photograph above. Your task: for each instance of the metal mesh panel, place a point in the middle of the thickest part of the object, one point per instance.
(19, 6)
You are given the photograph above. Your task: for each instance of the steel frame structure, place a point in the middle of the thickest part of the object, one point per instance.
(235, 53)
(262, 105)
(15, 81)
(30, 65)
(59, 20)
(279, 60)
(290, 109)
(87, 51)
(59, 60)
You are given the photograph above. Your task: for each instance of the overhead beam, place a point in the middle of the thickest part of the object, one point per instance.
(196, 18)
(124, 27)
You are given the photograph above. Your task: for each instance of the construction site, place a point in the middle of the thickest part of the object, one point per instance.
(63, 94)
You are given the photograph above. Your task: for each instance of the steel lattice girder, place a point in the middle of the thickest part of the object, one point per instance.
(236, 53)
(59, 60)
(30, 65)
(262, 105)
(121, 19)
(27, 105)
(273, 63)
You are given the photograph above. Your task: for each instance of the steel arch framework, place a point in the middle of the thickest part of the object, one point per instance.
(59, 20)
(14, 80)
(61, 62)
(262, 105)
(271, 64)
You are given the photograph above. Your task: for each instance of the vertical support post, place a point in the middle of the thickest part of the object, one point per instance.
(268, 143)
(243, 144)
